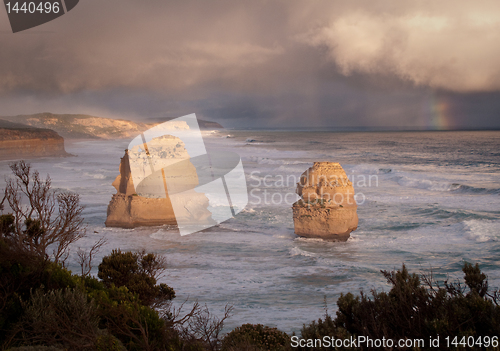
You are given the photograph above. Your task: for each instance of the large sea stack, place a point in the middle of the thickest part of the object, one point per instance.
(150, 203)
(327, 209)
(128, 210)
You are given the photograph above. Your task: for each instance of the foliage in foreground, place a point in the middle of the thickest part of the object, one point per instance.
(416, 307)
(256, 337)
(138, 271)
(45, 306)
(41, 222)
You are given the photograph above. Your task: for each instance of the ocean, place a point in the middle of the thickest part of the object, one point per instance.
(430, 200)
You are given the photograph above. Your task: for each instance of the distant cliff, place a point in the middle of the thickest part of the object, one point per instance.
(84, 126)
(21, 141)
(209, 125)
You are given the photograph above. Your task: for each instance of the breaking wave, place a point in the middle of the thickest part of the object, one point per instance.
(436, 185)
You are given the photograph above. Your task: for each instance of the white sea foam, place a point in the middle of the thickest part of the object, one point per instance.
(95, 175)
(295, 251)
(273, 161)
(483, 230)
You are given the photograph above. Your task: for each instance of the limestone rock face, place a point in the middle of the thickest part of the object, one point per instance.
(134, 211)
(327, 209)
(128, 210)
(21, 141)
(85, 126)
(150, 204)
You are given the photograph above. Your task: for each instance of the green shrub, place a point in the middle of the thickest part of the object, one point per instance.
(21, 272)
(59, 317)
(123, 315)
(415, 310)
(118, 310)
(7, 224)
(108, 342)
(138, 272)
(256, 337)
(323, 327)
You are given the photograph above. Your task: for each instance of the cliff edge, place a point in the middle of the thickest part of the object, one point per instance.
(21, 141)
(79, 126)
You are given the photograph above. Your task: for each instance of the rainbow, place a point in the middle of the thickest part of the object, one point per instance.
(439, 116)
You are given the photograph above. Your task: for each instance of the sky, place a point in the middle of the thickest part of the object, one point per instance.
(262, 64)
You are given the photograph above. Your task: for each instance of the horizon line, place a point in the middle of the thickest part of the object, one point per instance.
(366, 129)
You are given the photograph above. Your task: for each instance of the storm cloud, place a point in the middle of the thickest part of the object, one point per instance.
(255, 63)
(450, 45)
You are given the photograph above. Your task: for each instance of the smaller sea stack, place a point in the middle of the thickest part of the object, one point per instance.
(327, 209)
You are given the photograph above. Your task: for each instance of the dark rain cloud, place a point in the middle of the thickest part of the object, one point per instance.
(257, 63)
